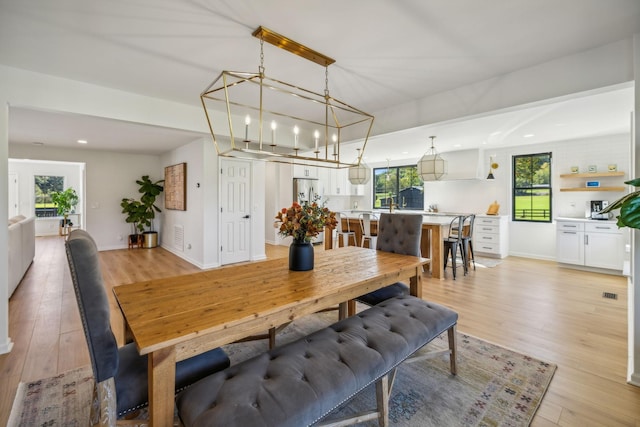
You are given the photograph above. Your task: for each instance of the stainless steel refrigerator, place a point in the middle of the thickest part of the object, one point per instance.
(307, 189)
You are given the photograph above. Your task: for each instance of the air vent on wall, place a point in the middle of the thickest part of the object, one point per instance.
(178, 237)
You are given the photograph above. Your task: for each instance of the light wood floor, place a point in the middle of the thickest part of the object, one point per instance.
(535, 307)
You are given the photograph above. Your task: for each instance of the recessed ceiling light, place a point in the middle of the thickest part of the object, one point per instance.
(529, 135)
(82, 141)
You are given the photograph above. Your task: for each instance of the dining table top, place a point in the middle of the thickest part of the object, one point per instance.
(258, 295)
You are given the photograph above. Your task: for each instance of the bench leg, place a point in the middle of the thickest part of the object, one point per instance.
(430, 355)
(382, 396)
(383, 392)
(452, 349)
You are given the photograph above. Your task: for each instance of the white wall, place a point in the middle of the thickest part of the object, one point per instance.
(26, 170)
(193, 218)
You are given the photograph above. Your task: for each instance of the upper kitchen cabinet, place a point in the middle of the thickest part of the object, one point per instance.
(304, 171)
(592, 181)
(338, 183)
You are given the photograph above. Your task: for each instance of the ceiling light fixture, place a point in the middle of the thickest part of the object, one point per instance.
(82, 141)
(360, 173)
(312, 127)
(432, 167)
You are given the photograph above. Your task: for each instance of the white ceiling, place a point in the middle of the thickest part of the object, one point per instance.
(387, 53)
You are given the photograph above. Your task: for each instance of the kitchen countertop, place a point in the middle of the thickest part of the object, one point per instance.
(562, 218)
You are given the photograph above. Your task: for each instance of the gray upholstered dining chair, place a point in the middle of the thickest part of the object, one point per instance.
(401, 234)
(120, 373)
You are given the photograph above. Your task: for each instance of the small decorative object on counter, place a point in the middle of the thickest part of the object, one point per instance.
(575, 169)
(304, 221)
(592, 169)
(494, 208)
(613, 168)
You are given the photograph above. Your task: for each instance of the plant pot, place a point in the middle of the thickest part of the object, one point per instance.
(150, 239)
(301, 256)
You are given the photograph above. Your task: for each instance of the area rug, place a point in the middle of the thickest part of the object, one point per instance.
(494, 386)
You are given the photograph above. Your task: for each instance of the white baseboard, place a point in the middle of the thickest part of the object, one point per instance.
(6, 346)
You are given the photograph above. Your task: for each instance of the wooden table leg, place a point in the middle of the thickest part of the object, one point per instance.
(162, 379)
(415, 283)
(437, 252)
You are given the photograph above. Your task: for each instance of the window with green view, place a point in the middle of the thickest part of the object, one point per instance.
(44, 186)
(398, 184)
(532, 187)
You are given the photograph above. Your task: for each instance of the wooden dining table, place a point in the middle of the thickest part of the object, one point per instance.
(172, 319)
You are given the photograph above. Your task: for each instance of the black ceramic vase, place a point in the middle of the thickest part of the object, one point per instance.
(300, 256)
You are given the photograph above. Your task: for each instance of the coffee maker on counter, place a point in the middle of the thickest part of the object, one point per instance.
(595, 206)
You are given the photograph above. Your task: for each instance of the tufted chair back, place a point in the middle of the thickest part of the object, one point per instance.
(84, 264)
(400, 233)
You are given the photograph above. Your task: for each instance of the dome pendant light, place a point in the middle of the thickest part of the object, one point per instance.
(360, 173)
(432, 167)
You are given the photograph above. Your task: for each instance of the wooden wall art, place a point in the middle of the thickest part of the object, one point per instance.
(175, 187)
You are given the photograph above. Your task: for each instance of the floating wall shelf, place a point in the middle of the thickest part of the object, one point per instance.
(593, 175)
(593, 189)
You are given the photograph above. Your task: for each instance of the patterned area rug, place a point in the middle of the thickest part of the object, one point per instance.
(494, 386)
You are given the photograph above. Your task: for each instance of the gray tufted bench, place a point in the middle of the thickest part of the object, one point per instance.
(300, 383)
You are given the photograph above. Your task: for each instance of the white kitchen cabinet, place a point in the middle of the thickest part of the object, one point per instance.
(491, 235)
(338, 183)
(570, 242)
(303, 171)
(590, 243)
(603, 245)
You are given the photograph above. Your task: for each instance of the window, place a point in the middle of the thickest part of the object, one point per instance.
(532, 187)
(400, 184)
(44, 186)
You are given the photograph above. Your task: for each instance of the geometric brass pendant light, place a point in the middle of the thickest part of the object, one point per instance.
(432, 167)
(253, 116)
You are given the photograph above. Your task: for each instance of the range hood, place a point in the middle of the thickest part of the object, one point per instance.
(465, 164)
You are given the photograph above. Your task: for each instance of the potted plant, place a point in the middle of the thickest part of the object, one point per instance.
(140, 213)
(629, 206)
(133, 209)
(66, 202)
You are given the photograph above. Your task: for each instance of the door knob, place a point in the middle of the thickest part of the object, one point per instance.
(246, 217)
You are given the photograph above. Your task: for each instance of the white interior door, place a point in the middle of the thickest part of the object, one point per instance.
(235, 212)
(13, 195)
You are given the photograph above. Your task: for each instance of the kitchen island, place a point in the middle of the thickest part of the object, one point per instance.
(435, 226)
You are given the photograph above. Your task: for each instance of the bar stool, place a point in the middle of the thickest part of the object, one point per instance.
(345, 234)
(467, 239)
(454, 241)
(365, 226)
